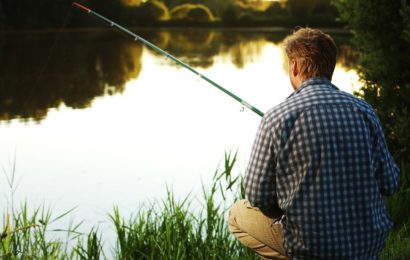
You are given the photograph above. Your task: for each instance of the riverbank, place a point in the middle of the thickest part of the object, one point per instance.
(187, 232)
(262, 29)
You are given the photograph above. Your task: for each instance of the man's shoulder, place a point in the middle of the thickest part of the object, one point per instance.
(312, 93)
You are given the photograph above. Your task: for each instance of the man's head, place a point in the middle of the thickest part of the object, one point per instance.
(311, 53)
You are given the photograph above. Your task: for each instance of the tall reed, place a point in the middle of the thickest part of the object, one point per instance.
(398, 242)
(172, 229)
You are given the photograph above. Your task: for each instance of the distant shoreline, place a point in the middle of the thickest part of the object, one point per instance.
(176, 28)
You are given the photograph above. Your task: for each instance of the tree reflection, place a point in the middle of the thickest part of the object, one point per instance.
(199, 47)
(193, 46)
(40, 71)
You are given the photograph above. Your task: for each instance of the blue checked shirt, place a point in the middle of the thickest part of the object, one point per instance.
(322, 158)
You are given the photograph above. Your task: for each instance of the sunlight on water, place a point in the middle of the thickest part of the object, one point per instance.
(167, 127)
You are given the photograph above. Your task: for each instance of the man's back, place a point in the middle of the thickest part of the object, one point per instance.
(318, 169)
(331, 167)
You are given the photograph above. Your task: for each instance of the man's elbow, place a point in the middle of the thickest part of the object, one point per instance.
(393, 185)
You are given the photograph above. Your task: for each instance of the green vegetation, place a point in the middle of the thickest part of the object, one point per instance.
(150, 12)
(192, 13)
(26, 14)
(168, 230)
(381, 36)
(25, 235)
(398, 243)
(172, 230)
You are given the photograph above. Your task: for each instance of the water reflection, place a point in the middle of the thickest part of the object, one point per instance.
(40, 71)
(166, 127)
(43, 71)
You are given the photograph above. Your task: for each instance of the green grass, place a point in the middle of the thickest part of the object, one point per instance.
(25, 236)
(398, 242)
(170, 229)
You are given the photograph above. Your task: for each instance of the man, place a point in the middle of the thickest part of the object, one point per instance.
(319, 168)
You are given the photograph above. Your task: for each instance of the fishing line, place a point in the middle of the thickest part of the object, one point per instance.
(50, 52)
(53, 46)
(136, 37)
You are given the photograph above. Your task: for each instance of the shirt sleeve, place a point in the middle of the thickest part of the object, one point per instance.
(387, 172)
(260, 174)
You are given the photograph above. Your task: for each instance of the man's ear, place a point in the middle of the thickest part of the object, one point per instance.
(294, 67)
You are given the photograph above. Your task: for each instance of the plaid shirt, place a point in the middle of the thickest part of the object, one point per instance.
(322, 158)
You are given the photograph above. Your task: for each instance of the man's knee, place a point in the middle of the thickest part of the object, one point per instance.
(237, 207)
(235, 212)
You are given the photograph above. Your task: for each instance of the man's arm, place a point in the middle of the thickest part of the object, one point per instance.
(260, 182)
(387, 172)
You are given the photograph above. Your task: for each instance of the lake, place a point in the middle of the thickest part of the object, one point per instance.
(91, 119)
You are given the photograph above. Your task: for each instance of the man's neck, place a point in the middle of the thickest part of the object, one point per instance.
(297, 82)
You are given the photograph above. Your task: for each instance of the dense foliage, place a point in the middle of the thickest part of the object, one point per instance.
(152, 11)
(26, 14)
(192, 12)
(382, 36)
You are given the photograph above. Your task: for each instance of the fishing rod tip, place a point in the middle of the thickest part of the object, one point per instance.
(81, 7)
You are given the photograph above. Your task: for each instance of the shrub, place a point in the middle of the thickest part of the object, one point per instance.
(231, 14)
(300, 10)
(192, 13)
(153, 11)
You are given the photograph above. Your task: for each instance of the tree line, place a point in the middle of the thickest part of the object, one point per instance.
(28, 14)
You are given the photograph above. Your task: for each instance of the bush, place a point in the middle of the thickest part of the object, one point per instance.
(276, 9)
(300, 10)
(230, 15)
(192, 13)
(153, 11)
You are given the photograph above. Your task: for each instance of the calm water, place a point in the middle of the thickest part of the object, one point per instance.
(93, 120)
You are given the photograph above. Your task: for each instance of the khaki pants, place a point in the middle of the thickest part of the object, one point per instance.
(256, 231)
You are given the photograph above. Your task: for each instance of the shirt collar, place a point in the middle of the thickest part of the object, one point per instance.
(312, 81)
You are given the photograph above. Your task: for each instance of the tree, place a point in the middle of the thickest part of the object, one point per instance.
(192, 13)
(147, 13)
(324, 6)
(131, 2)
(276, 8)
(216, 6)
(300, 9)
(381, 31)
(259, 5)
(231, 15)
(24, 14)
(155, 10)
(2, 15)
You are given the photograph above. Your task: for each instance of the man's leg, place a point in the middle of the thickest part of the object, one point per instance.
(256, 231)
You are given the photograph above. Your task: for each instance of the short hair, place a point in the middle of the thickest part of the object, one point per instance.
(315, 51)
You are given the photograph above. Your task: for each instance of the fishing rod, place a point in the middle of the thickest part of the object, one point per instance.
(135, 37)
